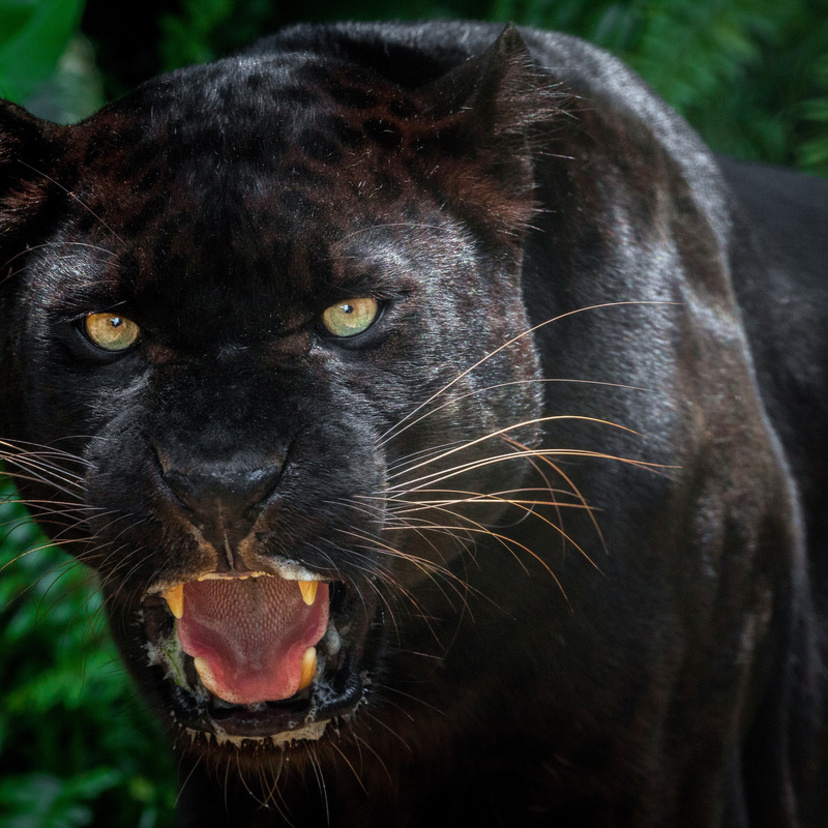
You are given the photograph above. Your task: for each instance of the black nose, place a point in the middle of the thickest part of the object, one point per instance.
(223, 503)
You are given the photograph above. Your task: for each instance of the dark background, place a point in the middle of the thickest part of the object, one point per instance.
(76, 748)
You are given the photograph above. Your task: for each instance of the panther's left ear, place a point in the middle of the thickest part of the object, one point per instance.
(27, 147)
(485, 132)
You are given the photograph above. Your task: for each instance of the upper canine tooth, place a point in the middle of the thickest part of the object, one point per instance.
(309, 590)
(174, 596)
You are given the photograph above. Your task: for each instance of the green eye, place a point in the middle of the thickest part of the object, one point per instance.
(350, 318)
(111, 332)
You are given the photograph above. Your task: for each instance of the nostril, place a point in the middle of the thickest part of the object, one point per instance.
(180, 485)
(255, 485)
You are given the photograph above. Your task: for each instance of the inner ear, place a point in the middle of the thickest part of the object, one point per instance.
(485, 118)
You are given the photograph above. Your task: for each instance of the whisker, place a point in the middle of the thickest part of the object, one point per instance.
(428, 568)
(492, 497)
(426, 453)
(505, 541)
(395, 430)
(425, 566)
(514, 427)
(320, 781)
(353, 770)
(455, 471)
(571, 483)
(531, 381)
(381, 511)
(360, 741)
(389, 729)
(50, 474)
(74, 197)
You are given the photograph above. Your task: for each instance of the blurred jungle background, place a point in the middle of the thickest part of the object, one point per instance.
(76, 747)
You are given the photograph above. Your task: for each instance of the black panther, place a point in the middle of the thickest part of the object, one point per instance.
(447, 427)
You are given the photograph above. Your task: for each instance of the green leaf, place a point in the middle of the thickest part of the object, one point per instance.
(40, 799)
(33, 36)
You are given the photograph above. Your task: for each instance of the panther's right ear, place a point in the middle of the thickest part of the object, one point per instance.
(490, 118)
(27, 149)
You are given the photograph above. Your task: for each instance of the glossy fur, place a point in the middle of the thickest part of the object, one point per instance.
(567, 488)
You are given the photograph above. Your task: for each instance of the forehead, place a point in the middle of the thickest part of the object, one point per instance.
(289, 175)
(281, 133)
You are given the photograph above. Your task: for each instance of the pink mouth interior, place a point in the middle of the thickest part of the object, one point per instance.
(253, 634)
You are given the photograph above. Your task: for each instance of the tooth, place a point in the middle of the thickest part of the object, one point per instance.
(205, 673)
(308, 667)
(202, 667)
(309, 590)
(175, 598)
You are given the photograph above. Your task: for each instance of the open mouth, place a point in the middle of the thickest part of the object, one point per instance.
(259, 655)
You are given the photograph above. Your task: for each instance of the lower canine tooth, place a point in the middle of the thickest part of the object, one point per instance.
(308, 667)
(175, 599)
(309, 590)
(202, 667)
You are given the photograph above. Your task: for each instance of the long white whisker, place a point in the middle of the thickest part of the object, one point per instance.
(514, 427)
(396, 428)
(532, 381)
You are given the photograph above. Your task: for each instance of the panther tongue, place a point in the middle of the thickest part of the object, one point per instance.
(249, 637)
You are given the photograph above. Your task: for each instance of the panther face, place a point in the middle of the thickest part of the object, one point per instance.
(247, 310)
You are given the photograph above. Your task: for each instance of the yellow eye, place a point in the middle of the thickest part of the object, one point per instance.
(111, 332)
(350, 318)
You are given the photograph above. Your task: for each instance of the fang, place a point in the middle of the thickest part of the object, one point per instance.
(309, 590)
(308, 668)
(175, 599)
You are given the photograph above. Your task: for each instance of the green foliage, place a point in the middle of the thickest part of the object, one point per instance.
(812, 151)
(739, 71)
(40, 799)
(203, 30)
(207, 29)
(76, 744)
(33, 36)
(44, 64)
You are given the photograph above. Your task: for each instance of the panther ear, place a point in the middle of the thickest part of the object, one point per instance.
(26, 150)
(486, 119)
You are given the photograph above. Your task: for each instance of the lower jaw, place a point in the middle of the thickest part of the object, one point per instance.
(304, 716)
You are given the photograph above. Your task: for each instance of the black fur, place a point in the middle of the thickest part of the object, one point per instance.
(566, 489)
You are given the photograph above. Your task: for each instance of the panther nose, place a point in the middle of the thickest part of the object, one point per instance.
(223, 503)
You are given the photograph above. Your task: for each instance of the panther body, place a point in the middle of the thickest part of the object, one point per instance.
(468, 334)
